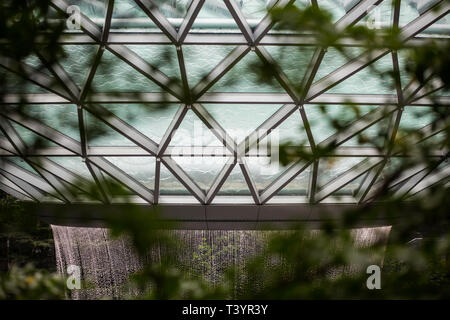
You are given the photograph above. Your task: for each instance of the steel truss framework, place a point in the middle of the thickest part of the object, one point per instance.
(50, 183)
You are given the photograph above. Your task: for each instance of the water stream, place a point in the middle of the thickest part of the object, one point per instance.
(106, 263)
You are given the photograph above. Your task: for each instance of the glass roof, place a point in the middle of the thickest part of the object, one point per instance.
(137, 126)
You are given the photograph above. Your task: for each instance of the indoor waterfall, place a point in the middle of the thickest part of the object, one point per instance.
(105, 263)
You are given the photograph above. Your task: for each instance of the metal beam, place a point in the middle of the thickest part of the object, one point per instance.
(173, 126)
(37, 77)
(266, 23)
(357, 126)
(188, 20)
(358, 12)
(185, 179)
(157, 180)
(11, 189)
(374, 192)
(409, 184)
(146, 69)
(21, 149)
(124, 53)
(29, 189)
(183, 73)
(215, 127)
(123, 128)
(123, 178)
(205, 151)
(238, 16)
(278, 74)
(25, 175)
(61, 75)
(100, 181)
(226, 98)
(220, 180)
(225, 65)
(360, 62)
(43, 130)
(346, 177)
(287, 176)
(266, 127)
(223, 38)
(158, 18)
(249, 180)
(430, 180)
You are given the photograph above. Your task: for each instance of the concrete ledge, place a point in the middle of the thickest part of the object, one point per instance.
(213, 217)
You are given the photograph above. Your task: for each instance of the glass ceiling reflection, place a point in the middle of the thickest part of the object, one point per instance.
(183, 144)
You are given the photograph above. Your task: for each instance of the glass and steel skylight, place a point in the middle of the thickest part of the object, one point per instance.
(183, 118)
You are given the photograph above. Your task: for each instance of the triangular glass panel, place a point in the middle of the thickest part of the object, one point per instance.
(335, 58)
(202, 170)
(12, 83)
(333, 167)
(373, 79)
(202, 59)
(77, 61)
(115, 188)
(61, 117)
(235, 184)
(373, 136)
(298, 186)
(350, 189)
(416, 117)
(290, 132)
(162, 57)
(214, 15)
(31, 139)
(100, 134)
(74, 164)
(378, 17)
(173, 9)
(140, 168)
(244, 77)
(22, 163)
(405, 77)
(253, 11)
(128, 14)
(113, 74)
(192, 132)
(409, 10)
(390, 168)
(231, 118)
(264, 170)
(150, 119)
(33, 61)
(437, 29)
(321, 118)
(169, 184)
(293, 61)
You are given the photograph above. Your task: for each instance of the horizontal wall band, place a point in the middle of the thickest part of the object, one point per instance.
(225, 98)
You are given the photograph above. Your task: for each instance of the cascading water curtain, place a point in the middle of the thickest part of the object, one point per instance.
(105, 263)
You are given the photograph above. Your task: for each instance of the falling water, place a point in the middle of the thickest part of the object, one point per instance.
(106, 262)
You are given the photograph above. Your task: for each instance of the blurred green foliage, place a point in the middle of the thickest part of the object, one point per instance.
(28, 283)
(296, 264)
